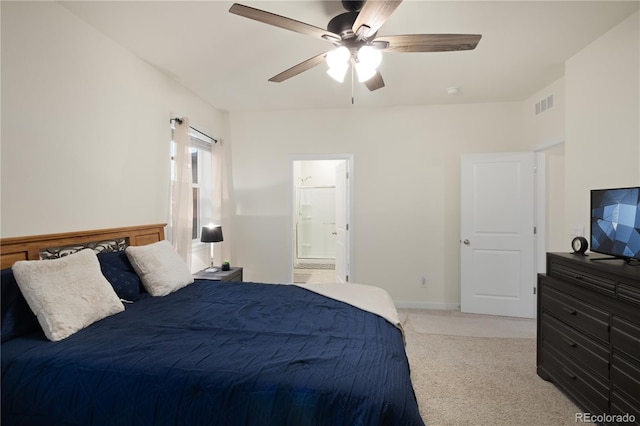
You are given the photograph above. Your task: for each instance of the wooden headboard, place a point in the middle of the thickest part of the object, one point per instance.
(29, 248)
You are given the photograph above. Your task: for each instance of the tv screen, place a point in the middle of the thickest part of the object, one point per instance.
(615, 222)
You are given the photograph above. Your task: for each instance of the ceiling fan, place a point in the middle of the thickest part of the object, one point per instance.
(354, 34)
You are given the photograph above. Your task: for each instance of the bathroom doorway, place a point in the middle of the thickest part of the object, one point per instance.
(319, 212)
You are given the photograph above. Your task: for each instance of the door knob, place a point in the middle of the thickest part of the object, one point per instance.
(466, 242)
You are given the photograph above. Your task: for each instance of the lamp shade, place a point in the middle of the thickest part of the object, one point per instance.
(337, 72)
(211, 234)
(338, 56)
(364, 72)
(370, 57)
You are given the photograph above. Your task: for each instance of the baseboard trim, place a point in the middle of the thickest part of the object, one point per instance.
(421, 305)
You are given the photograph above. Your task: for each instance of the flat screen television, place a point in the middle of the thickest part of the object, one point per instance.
(615, 222)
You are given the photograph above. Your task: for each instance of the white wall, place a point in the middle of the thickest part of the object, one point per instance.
(407, 188)
(602, 119)
(556, 239)
(85, 126)
(547, 128)
(545, 133)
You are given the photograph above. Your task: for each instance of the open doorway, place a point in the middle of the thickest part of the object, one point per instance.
(320, 216)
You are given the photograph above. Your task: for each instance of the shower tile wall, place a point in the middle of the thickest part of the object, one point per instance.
(314, 215)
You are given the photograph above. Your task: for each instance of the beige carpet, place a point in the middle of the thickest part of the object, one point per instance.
(300, 278)
(468, 380)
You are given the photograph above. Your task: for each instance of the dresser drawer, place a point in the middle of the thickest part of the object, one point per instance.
(629, 293)
(584, 351)
(585, 388)
(620, 405)
(580, 277)
(625, 378)
(578, 314)
(625, 337)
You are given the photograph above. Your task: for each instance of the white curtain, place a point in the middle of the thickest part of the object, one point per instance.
(220, 199)
(182, 193)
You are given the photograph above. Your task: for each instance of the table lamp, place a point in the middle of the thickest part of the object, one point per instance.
(211, 234)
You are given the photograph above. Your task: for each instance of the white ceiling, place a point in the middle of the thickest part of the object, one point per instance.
(227, 59)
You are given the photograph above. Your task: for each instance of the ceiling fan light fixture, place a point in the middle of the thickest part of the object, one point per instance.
(370, 56)
(354, 33)
(338, 71)
(364, 72)
(338, 57)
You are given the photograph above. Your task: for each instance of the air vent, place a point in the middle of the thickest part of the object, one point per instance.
(544, 105)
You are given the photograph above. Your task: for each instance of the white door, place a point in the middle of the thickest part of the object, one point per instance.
(342, 223)
(497, 254)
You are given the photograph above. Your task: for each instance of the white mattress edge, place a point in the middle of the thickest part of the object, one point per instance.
(366, 297)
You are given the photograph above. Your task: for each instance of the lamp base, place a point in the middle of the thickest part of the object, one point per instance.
(211, 269)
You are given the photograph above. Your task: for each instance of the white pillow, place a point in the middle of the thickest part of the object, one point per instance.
(160, 268)
(66, 294)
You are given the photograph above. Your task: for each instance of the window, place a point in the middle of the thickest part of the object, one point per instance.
(202, 185)
(201, 176)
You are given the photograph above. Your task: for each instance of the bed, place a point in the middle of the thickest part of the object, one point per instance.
(208, 353)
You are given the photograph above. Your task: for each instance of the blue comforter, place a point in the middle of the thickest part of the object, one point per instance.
(215, 354)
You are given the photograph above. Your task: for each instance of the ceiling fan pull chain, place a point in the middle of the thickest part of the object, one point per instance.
(352, 66)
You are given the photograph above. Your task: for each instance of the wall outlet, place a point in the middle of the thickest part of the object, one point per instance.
(423, 281)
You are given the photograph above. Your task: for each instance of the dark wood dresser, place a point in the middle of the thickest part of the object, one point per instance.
(589, 332)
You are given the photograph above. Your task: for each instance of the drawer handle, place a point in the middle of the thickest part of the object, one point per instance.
(569, 310)
(570, 342)
(569, 373)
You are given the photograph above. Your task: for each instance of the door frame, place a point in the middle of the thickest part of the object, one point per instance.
(350, 197)
(540, 205)
(540, 209)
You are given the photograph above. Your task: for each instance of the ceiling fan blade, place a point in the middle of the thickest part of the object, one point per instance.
(374, 83)
(300, 68)
(283, 22)
(373, 14)
(429, 42)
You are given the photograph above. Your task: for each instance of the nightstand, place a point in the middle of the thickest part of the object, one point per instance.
(233, 274)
